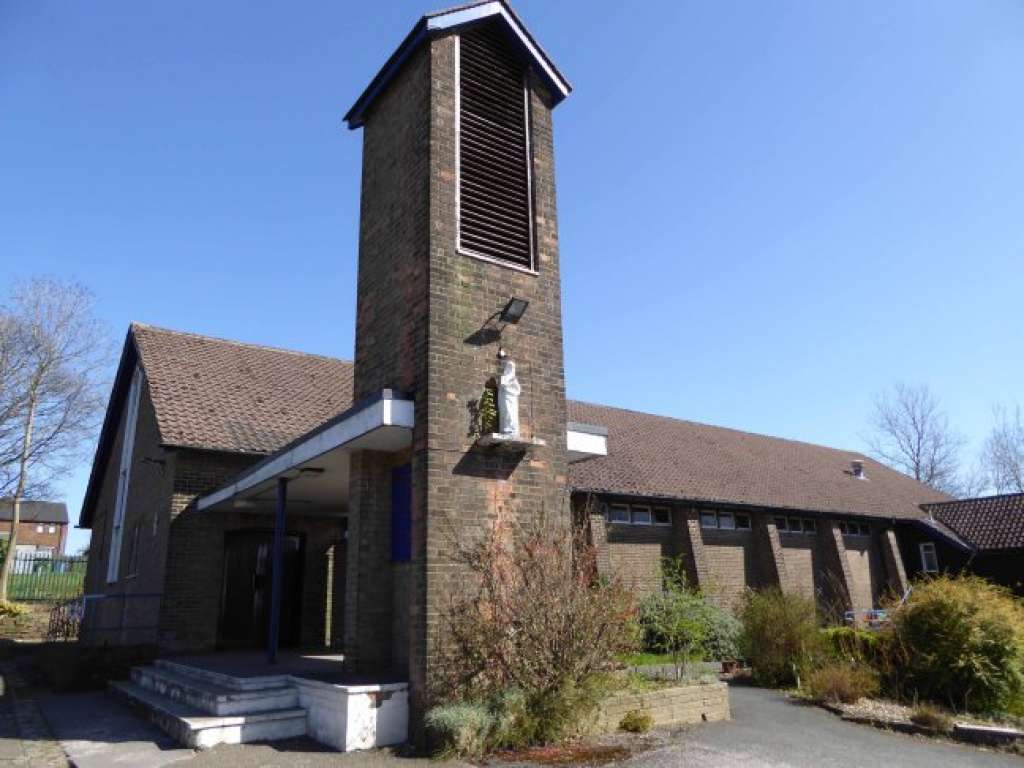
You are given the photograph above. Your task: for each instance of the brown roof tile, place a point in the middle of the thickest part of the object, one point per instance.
(988, 522)
(664, 457)
(228, 396)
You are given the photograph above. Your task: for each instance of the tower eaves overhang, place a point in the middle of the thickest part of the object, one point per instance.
(433, 24)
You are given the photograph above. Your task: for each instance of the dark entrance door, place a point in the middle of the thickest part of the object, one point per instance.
(245, 596)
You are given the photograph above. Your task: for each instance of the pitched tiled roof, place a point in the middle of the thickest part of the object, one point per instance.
(36, 511)
(222, 395)
(989, 522)
(228, 396)
(659, 456)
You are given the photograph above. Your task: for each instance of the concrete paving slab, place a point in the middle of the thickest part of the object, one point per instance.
(96, 731)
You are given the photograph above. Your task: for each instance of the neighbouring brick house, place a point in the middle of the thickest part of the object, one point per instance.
(370, 473)
(42, 527)
(983, 535)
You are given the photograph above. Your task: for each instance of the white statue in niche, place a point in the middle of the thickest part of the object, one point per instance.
(509, 390)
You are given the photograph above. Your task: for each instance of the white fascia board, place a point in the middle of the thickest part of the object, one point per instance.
(586, 443)
(381, 413)
(466, 15)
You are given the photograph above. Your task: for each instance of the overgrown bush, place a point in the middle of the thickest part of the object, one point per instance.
(931, 717)
(721, 635)
(681, 622)
(960, 641)
(636, 721)
(673, 620)
(532, 617)
(780, 635)
(841, 682)
(459, 730)
(853, 645)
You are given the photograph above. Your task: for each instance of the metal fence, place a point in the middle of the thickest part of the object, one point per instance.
(48, 578)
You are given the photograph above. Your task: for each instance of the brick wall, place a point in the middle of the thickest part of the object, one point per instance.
(731, 566)
(667, 706)
(147, 516)
(29, 533)
(635, 553)
(421, 307)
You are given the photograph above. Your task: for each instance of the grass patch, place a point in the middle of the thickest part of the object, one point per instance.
(650, 659)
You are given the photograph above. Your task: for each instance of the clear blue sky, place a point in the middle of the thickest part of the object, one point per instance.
(769, 210)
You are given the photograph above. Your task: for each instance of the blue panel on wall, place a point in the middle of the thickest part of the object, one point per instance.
(401, 514)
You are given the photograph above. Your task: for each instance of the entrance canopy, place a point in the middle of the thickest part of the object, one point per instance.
(316, 465)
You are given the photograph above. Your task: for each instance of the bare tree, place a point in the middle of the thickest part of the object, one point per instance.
(911, 433)
(1003, 455)
(51, 353)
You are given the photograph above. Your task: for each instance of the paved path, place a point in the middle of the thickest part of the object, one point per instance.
(770, 731)
(96, 731)
(767, 731)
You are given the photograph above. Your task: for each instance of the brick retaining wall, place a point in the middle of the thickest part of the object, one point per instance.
(668, 706)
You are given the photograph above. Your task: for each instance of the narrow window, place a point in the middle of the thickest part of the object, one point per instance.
(52, 529)
(743, 522)
(726, 521)
(133, 552)
(780, 524)
(794, 525)
(495, 216)
(810, 526)
(708, 520)
(39, 529)
(662, 516)
(618, 513)
(123, 475)
(641, 515)
(929, 558)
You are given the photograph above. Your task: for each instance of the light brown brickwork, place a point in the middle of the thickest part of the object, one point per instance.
(667, 706)
(896, 575)
(635, 553)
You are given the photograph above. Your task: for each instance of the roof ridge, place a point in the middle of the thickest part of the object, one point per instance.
(234, 342)
(730, 429)
(994, 497)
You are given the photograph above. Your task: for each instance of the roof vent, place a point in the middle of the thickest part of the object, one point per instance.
(857, 467)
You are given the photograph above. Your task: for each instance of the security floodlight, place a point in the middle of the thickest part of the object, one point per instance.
(514, 310)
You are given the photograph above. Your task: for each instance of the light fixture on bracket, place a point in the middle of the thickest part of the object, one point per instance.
(514, 310)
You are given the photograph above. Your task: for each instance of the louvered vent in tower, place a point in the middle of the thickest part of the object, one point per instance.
(495, 206)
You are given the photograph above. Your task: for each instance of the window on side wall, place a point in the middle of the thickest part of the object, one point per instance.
(780, 524)
(662, 516)
(929, 557)
(618, 513)
(708, 520)
(742, 522)
(810, 526)
(641, 515)
(726, 521)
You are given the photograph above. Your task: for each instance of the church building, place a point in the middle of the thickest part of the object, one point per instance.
(245, 498)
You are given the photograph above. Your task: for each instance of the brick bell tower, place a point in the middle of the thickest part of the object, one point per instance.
(457, 218)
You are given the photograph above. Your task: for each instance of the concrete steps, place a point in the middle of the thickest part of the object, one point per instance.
(213, 698)
(199, 711)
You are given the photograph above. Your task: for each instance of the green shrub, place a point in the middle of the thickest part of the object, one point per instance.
(841, 682)
(458, 730)
(931, 717)
(721, 635)
(780, 635)
(683, 624)
(850, 644)
(674, 619)
(636, 721)
(960, 641)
